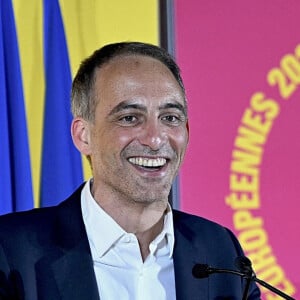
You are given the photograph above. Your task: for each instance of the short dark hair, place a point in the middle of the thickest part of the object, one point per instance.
(83, 102)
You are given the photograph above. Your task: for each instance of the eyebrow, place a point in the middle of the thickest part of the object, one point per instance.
(175, 105)
(125, 105)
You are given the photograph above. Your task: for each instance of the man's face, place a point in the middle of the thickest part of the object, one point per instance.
(139, 135)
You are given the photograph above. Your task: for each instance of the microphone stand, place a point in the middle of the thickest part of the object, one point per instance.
(203, 270)
(272, 288)
(244, 265)
(264, 284)
(246, 290)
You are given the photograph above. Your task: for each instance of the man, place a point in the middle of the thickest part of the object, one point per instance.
(117, 237)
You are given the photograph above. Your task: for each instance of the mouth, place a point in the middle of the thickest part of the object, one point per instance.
(148, 163)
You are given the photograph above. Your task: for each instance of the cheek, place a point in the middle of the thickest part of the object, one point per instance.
(111, 141)
(121, 137)
(179, 139)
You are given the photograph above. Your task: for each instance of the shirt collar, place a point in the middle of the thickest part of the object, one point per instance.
(101, 228)
(167, 232)
(103, 232)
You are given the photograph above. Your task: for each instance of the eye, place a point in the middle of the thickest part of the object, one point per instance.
(128, 120)
(170, 118)
(174, 120)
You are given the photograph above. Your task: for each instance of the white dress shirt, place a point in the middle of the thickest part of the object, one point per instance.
(120, 271)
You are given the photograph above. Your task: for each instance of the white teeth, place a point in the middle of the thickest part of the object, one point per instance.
(148, 162)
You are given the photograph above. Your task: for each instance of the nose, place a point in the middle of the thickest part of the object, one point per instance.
(152, 135)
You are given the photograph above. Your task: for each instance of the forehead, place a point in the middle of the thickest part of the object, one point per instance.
(133, 62)
(135, 76)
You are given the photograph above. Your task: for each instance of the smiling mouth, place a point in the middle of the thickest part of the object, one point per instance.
(148, 162)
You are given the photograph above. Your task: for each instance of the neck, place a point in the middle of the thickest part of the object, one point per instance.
(147, 236)
(144, 219)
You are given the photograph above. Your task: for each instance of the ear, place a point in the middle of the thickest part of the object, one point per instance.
(187, 125)
(80, 131)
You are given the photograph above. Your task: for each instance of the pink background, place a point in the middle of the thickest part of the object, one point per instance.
(225, 50)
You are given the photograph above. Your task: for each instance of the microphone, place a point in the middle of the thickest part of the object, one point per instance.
(245, 266)
(245, 270)
(203, 270)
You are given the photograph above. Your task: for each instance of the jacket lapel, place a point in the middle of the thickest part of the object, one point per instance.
(188, 252)
(74, 275)
(69, 261)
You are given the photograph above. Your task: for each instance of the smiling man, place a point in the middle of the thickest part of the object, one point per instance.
(117, 237)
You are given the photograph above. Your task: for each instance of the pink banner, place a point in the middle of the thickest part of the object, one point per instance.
(240, 61)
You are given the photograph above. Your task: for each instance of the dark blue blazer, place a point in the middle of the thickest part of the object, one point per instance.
(45, 255)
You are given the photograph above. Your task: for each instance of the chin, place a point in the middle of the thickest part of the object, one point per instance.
(151, 197)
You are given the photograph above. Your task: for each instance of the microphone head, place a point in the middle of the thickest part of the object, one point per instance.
(200, 271)
(244, 264)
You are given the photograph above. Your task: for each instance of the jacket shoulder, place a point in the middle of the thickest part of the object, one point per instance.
(200, 229)
(37, 221)
(193, 221)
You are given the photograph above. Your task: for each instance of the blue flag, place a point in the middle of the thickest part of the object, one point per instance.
(61, 162)
(15, 171)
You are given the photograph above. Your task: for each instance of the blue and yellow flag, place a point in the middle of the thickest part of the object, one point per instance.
(56, 166)
(61, 162)
(15, 183)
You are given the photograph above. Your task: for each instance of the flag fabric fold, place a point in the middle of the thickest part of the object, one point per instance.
(61, 162)
(15, 184)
